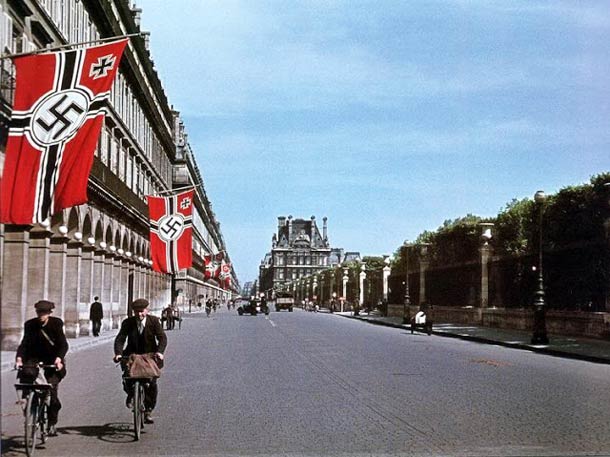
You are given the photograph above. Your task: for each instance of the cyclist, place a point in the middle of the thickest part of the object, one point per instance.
(143, 334)
(44, 341)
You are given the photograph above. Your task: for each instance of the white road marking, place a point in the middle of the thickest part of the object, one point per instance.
(271, 322)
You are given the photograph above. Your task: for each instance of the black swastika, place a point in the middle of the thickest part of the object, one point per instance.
(60, 117)
(171, 227)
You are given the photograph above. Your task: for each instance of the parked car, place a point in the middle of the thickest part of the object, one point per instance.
(252, 307)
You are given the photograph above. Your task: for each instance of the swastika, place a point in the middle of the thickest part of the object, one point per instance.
(60, 117)
(171, 227)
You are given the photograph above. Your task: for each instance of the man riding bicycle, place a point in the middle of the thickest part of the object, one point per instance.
(143, 334)
(44, 342)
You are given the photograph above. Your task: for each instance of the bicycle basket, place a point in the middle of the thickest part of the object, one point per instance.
(143, 366)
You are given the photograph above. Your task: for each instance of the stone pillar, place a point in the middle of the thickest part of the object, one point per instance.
(87, 272)
(38, 266)
(57, 274)
(14, 284)
(485, 252)
(107, 294)
(386, 274)
(424, 263)
(117, 289)
(344, 294)
(72, 291)
(124, 289)
(361, 285)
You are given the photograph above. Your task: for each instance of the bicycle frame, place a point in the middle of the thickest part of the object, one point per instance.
(138, 404)
(35, 411)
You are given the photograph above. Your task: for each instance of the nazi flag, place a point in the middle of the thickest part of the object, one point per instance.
(57, 117)
(171, 232)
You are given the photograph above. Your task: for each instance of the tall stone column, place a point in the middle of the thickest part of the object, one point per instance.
(362, 277)
(124, 289)
(38, 265)
(14, 284)
(107, 294)
(485, 251)
(116, 287)
(424, 263)
(87, 272)
(72, 290)
(344, 294)
(57, 272)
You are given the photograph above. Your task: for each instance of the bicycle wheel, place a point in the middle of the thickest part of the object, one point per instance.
(43, 421)
(137, 411)
(31, 423)
(142, 407)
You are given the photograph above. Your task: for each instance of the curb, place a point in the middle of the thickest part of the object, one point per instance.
(479, 339)
(75, 345)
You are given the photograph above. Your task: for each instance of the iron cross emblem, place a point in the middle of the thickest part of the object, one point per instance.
(103, 65)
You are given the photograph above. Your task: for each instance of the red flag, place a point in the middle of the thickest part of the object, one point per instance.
(209, 266)
(217, 262)
(55, 125)
(171, 232)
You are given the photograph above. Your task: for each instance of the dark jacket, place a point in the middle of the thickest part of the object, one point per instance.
(36, 347)
(153, 337)
(96, 313)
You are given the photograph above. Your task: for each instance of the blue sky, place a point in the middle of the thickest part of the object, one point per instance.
(388, 117)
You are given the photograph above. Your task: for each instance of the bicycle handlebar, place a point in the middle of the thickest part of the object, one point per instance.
(30, 365)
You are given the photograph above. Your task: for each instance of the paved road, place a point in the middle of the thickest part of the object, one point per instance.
(317, 384)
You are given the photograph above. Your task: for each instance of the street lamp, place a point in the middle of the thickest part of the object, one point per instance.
(539, 336)
(407, 301)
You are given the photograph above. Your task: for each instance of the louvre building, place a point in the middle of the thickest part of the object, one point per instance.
(102, 248)
(299, 249)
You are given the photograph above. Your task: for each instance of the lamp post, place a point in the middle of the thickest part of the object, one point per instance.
(407, 301)
(539, 336)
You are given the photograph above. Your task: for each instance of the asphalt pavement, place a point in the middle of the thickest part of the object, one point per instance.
(591, 350)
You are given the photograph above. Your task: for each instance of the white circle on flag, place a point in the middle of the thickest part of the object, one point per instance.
(58, 116)
(171, 227)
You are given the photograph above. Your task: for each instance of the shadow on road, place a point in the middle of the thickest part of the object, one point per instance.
(120, 432)
(111, 433)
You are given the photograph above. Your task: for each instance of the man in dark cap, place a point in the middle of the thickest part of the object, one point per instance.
(44, 341)
(144, 334)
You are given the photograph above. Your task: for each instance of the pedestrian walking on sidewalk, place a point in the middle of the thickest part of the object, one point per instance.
(96, 314)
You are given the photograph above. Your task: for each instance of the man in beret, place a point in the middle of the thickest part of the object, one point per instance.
(44, 341)
(143, 334)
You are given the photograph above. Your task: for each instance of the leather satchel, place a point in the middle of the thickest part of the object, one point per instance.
(143, 366)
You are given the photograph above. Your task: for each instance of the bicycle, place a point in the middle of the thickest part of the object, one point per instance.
(35, 409)
(138, 409)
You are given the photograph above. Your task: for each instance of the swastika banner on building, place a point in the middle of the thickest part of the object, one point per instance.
(55, 125)
(171, 232)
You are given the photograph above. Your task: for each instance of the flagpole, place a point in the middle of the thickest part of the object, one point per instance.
(54, 48)
(178, 189)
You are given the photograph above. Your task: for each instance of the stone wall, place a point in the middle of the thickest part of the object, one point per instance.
(569, 323)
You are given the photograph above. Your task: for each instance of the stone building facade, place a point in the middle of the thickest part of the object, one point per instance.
(298, 249)
(101, 248)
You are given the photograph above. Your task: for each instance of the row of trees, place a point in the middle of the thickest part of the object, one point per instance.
(576, 258)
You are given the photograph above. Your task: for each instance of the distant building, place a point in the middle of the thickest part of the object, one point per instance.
(298, 249)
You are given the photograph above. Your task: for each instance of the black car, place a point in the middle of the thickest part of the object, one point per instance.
(252, 307)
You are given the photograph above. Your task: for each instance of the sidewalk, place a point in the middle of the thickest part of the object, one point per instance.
(7, 358)
(588, 349)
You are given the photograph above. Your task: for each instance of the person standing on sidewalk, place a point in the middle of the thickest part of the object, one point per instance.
(96, 314)
(44, 341)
